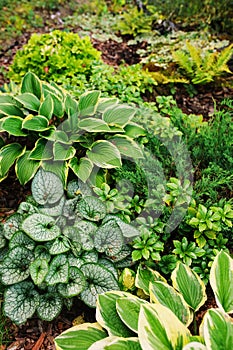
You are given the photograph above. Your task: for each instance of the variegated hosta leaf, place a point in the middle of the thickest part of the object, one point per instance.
(75, 285)
(144, 276)
(8, 155)
(194, 345)
(104, 155)
(119, 115)
(127, 146)
(27, 208)
(15, 266)
(29, 101)
(42, 252)
(12, 225)
(21, 239)
(26, 168)
(91, 208)
(108, 238)
(40, 227)
(50, 306)
(109, 265)
(60, 245)
(117, 343)
(31, 84)
(58, 270)
(47, 188)
(99, 281)
(20, 302)
(38, 270)
(88, 103)
(46, 107)
(105, 103)
(54, 210)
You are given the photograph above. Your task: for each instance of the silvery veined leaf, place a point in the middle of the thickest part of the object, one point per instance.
(58, 270)
(122, 254)
(47, 188)
(86, 241)
(42, 252)
(73, 189)
(128, 231)
(2, 238)
(60, 245)
(126, 262)
(75, 285)
(85, 189)
(90, 256)
(86, 226)
(53, 210)
(50, 306)
(108, 238)
(12, 225)
(92, 208)
(38, 270)
(75, 261)
(20, 302)
(40, 227)
(15, 266)
(21, 239)
(99, 280)
(109, 265)
(75, 244)
(27, 208)
(61, 222)
(70, 208)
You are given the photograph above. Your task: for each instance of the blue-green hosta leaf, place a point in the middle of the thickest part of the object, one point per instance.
(58, 105)
(26, 208)
(20, 302)
(99, 281)
(144, 276)
(109, 265)
(50, 306)
(35, 123)
(80, 337)
(189, 284)
(22, 240)
(12, 225)
(63, 152)
(91, 208)
(88, 103)
(46, 187)
(55, 209)
(26, 168)
(108, 238)
(119, 115)
(41, 227)
(94, 125)
(8, 155)
(104, 154)
(60, 245)
(105, 103)
(15, 266)
(29, 101)
(38, 270)
(58, 270)
(75, 285)
(13, 125)
(42, 252)
(46, 107)
(134, 130)
(59, 168)
(11, 110)
(41, 151)
(81, 167)
(127, 146)
(31, 83)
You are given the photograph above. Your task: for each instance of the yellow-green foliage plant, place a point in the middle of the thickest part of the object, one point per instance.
(203, 66)
(125, 321)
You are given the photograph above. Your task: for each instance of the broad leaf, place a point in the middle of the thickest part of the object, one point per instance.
(8, 155)
(46, 107)
(108, 238)
(21, 239)
(59, 168)
(31, 84)
(50, 306)
(117, 343)
(104, 154)
(35, 123)
(11, 110)
(58, 270)
(109, 265)
(12, 225)
(82, 167)
(119, 115)
(13, 125)
(26, 208)
(40, 227)
(94, 125)
(63, 152)
(71, 106)
(105, 103)
(60, 245)
(127, 146)
(38, 270)
(88, 103)
(41, 151)
(144, 276)
(54, 209)
(26, 168)
(194, 346)
(58, 106)
(76, 283)
(134, 130)
(91, 208)
(29, 101)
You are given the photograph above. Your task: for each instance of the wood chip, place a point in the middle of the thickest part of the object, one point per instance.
(39, 342)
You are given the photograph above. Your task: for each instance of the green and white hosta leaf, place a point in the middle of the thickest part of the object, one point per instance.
(46, 107)
(80, 337)
(81, 167)
(41, 150)
(54, 210)
(105, 103)
(217, 330)
(20, 302)
(26, 168)
(50, 306)
(8, 99)
(12, 225)
(144, 276)
(189, 284)
(94, 125)
(117, 343)
(221, 281)
(38, 270)
(107, 316)
(134, 130)
(194, 346)
(58, 270)
(161, 292)
(35, 123)
(15, 266)
(11, 110)
(59, 168)
(75, 285)
(88, 103)
(108, 238)
(104, 154)
(91, 208)
(21, 239)
(47, 188)
(119, 115)
(29, 101)
(127, 146)
(60, 245)
(13, 125)
(58, 105)
(160, 329)
(99, 281)
(40, 227)
(71, 106)
(109, 265)
(63, 152)
(26, 208)
(8, 155)
(31, 83)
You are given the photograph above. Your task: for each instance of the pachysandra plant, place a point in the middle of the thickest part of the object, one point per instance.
(55, 248)
(82, 135)
(125, 321)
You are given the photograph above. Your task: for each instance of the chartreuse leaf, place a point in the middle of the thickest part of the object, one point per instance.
(104, 154)
(88, 103)
(12, 225)
(41, 151)
(8, 154)
(161, 292)
(35, 123)
(63, 152)
(119, 115)
(26, 168)
(189, 284)
(81, 167)
(13, 125)
(75, 285)
(99, 280)
(29, 101)
(117, 343)
(108, 238)
(194, 346)
(46, 187)
(217, 330)
(127, 146)
(58, 270)
(38, 270)
(144, 276)
(221, 281)
(91, 208)
(80, 337)
(40, 227)
(94, 125)
(10, 109)
(46, 107)
(107, 316)
(50, 306)
(31, 83)
(20, 302)
(160, 329)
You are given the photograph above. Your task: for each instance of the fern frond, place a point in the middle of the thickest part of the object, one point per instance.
(195, 54)
(223, 58)
(183, 60)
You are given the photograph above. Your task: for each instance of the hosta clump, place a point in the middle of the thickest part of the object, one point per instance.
(54, 248)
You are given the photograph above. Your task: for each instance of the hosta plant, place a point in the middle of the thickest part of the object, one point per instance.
(125, 321)
(55, 248)
(62, 133)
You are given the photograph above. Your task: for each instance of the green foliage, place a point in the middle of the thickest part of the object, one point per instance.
(147, 246)
(186, 252)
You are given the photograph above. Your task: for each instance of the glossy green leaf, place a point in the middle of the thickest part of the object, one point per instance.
(26, 168)
(13, 125)
(58, 105)
(8, 155)
(46, 107)
(11, 110)
(88, 103)
(58, 270)
(71, 106)
(41, 227)
(91, 208)
(50, 306)
(105, 103)
(38, 270)
(35, 123)
(8, 99)
(59, 168)
(31, 84)
(134, 130)
(82, 167)
(119, 115)
(76, 283)
(105, 155)
(29, 101)
(63, 152)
